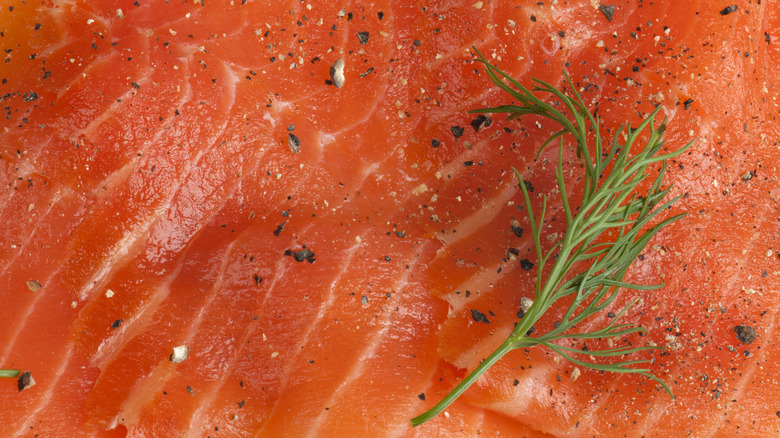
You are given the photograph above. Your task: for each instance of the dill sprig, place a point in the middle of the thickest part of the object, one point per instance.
(610, 205)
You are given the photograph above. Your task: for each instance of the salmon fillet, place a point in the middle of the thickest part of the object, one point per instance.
(295, 193)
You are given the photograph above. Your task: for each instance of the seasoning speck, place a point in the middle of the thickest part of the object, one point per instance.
(304, 254)
(421, 396)
(729, 9)
(526, 264)
(516, 228)
(25, 381)
(29, 97)
(481, 121)
(745, 334)
(479, 316)
(179, 353)
(34, 285)
(294, 143)
(363, 37)
(117, 323)
(457, 131)
(687, 103)
(364, 300)
(608, 11)
(337, 73)
(575, 374)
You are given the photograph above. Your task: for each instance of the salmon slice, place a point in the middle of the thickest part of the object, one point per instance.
(336, 254)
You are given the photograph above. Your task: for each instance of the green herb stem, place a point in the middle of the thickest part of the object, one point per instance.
(9, 373)
(510, 344)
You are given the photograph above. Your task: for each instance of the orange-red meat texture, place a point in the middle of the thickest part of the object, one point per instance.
(150, 188)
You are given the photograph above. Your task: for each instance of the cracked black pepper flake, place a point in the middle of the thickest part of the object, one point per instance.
(294, 143)
(37, 26)
(608, 11)
(528, 186)
(468, 163)
(457, 131)
(417, 43)
(526, 264)
(562, 34)
(400, 234)
(745, 334)
(517, 229)
(481, 121)
(516, 382)
(533, 18)
(479, 316)
(117, 323)
(728, 9)
(421, 396)
(241, 403)
(279, 229)
(304, 254)
(135, 85)
(364, 300)
(687, 103)
(25, 381)
(367, 72)
(767, 38)
(380, 14)
(258, 279)
(30, 96)
(190, 390)
(363, 37)
(435, 143)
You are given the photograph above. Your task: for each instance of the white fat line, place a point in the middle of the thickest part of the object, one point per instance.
(30, 234)
(367, 352)
(135, 402)
(32, 414)
(118, 338)
(279, 270)
(123, 247)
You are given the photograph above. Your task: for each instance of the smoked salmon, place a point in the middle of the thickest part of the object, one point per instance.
(251, 218)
